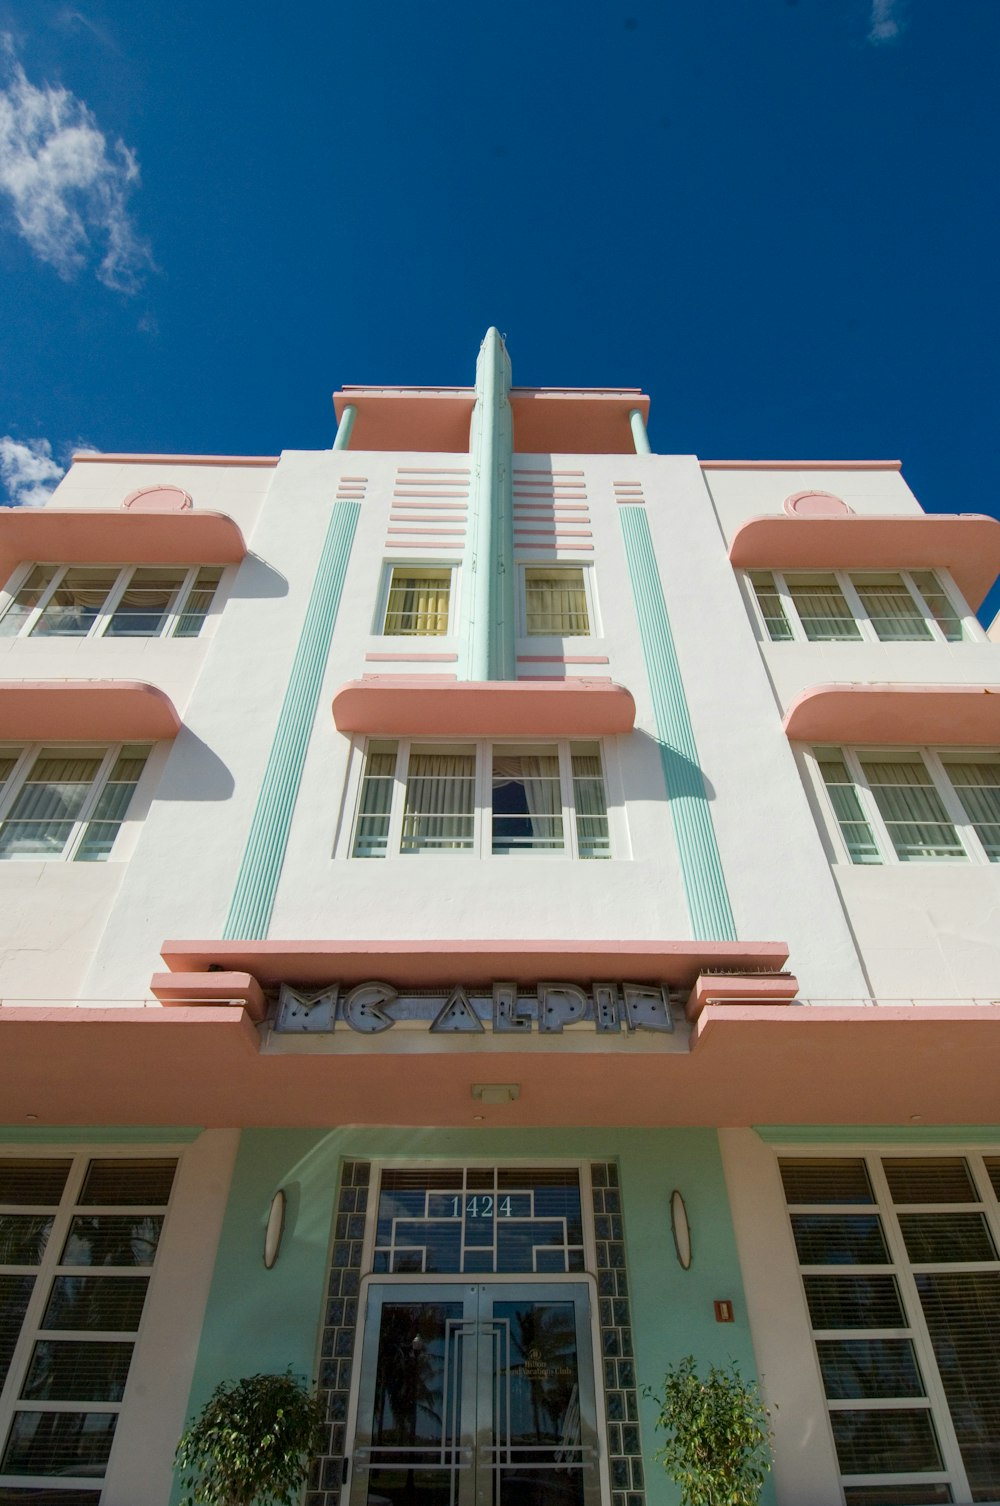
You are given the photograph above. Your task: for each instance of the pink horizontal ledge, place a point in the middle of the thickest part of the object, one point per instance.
(427, 963)
(86, 710)
(394, 705)
(801, 465)
(86, 457)
(967, 544)
(411, 658)
(179, 990)
(953, 715)
(117, 537)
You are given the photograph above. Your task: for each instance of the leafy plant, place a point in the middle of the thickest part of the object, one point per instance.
(718, 1447)
(251, 1443)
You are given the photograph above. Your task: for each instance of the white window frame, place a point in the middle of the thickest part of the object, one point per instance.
(27, 753)
(590, 591)
(936, 766)
(80, 1157)
(482, 842)
(99, 626)
(972, 631)
(902, 1268)
(391, 563)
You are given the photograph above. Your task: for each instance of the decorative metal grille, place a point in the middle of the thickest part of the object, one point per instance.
(620, 1398)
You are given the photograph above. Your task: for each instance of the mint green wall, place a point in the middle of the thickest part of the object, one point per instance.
(265, 1320)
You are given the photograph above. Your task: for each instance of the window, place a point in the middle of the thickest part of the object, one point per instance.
(886, 606)
(555, 601)
(78, 1242)
(417, 602)
(899, 1264)
(94, 601)
(913, 805)
(499, 798)
(65, 802)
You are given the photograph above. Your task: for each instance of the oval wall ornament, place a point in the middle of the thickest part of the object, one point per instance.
(681, 1229)
(275, 1228)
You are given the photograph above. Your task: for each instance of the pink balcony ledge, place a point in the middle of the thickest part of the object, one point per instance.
(105, 710)
(114, 536)
(967, 544)
(957, 715)
(415, 706)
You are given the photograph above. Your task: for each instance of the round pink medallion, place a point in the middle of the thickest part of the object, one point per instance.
(158, 499)
(816, 505)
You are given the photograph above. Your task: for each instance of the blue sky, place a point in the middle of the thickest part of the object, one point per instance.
(779, 217)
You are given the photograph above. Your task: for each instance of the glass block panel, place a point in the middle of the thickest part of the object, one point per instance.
(106, 1239)
(937, 1179)
(32, 1183)
(59, 1443)
(854, 1302)
(939, 1237)
(891, 1442)
(68, 1370)
(826, 1181)
(15, 1292)
(865, 1368)
(962, 1310)
(23, 1237)
(112, 1304)
(128, 1183)
(839, 1239)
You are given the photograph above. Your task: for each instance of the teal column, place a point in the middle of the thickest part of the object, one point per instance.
(342, 439)
(257, 881)
(486, 625)
(701, 866)
(639, 436)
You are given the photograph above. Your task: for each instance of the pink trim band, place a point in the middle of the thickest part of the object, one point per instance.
(210, 989)
(411, 658)
(801, 465)
(400, 706)
(86, 711)
(86, 458)
(562, 659)
(951, 715)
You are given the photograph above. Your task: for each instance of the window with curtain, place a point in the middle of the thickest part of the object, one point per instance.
(888, 606)
(93, 601)
(418, 602)
(555, 601)
(66, 803)
(538, 798)
(899, 1264)
(914, 805)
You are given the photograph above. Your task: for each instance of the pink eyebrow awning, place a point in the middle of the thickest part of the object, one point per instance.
(105, 536)
(86, 710)
(420, 706)
(954, 715)
(967, 544)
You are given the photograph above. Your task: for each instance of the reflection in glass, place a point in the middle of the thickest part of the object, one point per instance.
(539, 1434)
(418, 1381)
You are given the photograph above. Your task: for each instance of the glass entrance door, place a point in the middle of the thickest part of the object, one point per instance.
(476, 1395)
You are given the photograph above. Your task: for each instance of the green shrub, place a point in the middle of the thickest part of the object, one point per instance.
(251, 1443)
(718, 1447)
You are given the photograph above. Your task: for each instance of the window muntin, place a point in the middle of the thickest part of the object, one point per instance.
(418, 601)
(92, 601)
(69, 1337)
(884, 606)
(914, 805)
(482, 797)
(555, 601)
(66, 802)
(910, 1357)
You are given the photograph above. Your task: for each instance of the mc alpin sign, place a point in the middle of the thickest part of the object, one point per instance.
(508, 1009)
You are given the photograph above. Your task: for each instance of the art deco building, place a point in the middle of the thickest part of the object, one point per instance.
(487, 911)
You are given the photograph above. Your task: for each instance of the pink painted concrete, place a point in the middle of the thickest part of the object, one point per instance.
(576, 421)
(952, 715)
(713, 988)
(801, 465)
(411, 658)
(86, 711)
(433, 963)
(207, 990)
(815, 505)
(967, 544)
(86, 458)
(84, 535)
(562, 659)
(499, 708)
(748, 1065)
(408, 418)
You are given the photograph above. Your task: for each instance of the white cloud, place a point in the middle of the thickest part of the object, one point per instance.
(66, 184)
(886, 21)
(28, 471)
